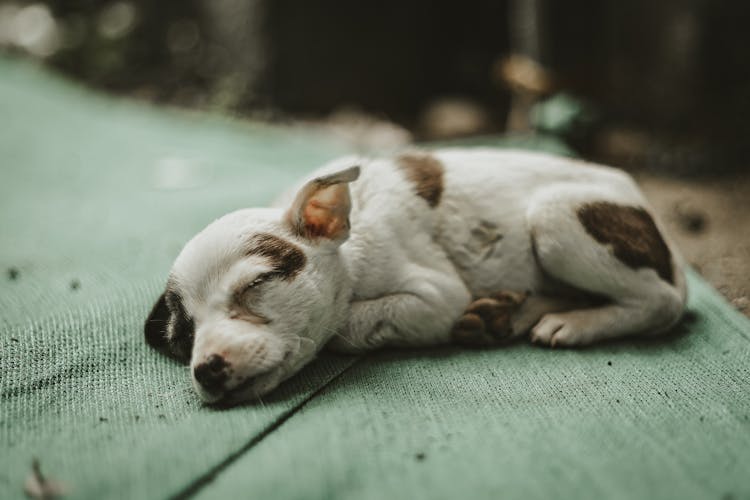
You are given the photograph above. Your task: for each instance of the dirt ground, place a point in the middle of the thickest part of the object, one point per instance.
(709, 219)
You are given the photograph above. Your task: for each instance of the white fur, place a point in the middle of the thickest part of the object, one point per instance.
(408, 271)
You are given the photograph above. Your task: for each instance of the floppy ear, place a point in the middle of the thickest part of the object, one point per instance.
(321, 208)
(155, 328)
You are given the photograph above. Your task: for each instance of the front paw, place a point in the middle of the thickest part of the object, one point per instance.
(487, 321)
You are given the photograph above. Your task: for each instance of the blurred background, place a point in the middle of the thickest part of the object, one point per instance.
(661, 88)
(664, 83)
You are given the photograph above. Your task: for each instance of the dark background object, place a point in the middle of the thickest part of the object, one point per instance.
(678, 71)
(389, 57)
(668, 81)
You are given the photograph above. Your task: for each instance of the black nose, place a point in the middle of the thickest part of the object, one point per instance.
(212, 373)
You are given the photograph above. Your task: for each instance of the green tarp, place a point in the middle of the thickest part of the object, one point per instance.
(97, 195)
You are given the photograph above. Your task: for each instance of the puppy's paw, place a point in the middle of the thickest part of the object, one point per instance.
(469, 330)
(487, 321)
(557, 330)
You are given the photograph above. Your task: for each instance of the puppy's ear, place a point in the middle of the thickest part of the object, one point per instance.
(155, 327)
(321, 208)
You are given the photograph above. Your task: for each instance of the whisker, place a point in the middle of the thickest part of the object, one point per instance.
(341, 336)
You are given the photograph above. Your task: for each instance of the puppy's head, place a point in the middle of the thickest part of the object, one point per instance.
(257, 293)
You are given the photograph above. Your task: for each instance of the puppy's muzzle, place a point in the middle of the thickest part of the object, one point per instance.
(212, 374)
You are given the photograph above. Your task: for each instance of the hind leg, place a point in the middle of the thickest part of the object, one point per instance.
(535, 307)
(612, 249)
(506, 315)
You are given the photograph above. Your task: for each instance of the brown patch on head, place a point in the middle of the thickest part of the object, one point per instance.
(182, 325)
(426, 172)
(632, 234)
(286, 258)
(155, 328)
(168, 327)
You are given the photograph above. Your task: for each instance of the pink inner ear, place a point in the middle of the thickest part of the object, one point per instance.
(318, 220)
(325, 212)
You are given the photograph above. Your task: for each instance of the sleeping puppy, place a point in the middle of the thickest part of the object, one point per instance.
(473, 246)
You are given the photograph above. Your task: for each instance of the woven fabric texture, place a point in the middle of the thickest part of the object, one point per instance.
(666, 418)
(97, 195)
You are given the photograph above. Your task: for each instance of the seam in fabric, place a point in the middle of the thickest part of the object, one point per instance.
(205, 479)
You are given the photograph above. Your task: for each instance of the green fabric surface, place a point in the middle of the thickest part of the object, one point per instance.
(666, 418)
(89, 228)
(98, 194)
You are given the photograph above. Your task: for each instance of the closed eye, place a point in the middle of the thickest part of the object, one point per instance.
(247, 297)
(250, 292)
(262, 278)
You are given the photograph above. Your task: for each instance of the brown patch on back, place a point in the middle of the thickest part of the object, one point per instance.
(632, 234)
(286, 258)
(426, 172)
